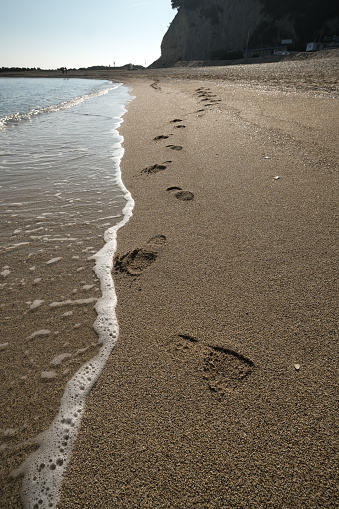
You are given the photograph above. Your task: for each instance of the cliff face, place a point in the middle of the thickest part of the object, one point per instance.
(209, 29)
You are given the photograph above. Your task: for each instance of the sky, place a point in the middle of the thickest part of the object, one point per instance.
(80, 33)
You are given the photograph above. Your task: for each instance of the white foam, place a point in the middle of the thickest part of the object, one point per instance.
(14, 246)
(48, 375)
(36, 303)
(42, 332)
(78, 302)
(60, 358)
(53, 260)
(44, 468)
(61, 239)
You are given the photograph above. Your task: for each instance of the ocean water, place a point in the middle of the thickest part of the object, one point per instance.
(60, 189)
(59, 144)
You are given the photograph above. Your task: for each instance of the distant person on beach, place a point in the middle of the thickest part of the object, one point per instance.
(65, 70)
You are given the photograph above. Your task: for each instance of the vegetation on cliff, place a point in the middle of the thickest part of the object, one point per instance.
(310, 18)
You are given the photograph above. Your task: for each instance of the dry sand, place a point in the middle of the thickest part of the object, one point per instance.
(222, 389)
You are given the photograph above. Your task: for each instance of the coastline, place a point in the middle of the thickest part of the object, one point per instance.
(201, 403)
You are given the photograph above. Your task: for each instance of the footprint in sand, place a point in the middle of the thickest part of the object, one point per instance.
(206, 95)
(176, 120)
(184, 195)
(182, 346)
(155, 168)
(161, 137)
(155, 85)
(174, 147)
(136, 261)
(180, 194)
(180, 126)
(223, 369)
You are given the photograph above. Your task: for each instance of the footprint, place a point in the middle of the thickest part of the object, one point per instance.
(155, 168)
(182, 346)
(157, 241)
(180, 126)
(174, 147)
(156, 85)
(184, 195)
(180, 194)
(136, 261)
(223, 369)
(161, 137)
(176, 120)
(174, 188)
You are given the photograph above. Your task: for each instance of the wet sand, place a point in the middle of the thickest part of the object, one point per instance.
(222, 389)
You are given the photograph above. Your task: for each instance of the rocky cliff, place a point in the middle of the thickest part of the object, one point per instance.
(213, 29)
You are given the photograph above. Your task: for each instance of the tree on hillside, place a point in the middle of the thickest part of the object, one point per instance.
(176, 4)
(189, 4)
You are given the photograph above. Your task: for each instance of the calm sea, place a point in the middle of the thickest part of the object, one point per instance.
(59, 147)
(61, 199)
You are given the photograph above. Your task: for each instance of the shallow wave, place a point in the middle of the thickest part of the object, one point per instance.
(16, 118)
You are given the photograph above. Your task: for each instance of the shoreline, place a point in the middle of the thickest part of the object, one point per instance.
(224, 286)
(315, 73)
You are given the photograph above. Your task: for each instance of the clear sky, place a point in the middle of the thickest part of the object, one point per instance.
(80, 33)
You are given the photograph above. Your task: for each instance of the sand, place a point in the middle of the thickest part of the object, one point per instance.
(222, 389)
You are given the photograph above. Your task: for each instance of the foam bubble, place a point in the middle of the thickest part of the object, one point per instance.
(41, 332)
(53, 260)
(87, 287)
(60, 358)
(36, 303)
(48, 375)
(78, 302)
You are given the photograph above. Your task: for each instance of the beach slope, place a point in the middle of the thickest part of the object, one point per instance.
(222, 389)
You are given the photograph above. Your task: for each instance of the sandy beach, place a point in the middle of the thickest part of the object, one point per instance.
(222, 391)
